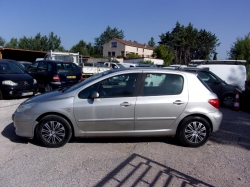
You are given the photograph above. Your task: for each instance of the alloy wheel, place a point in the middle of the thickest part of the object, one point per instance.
(228, 101)
(53, 132)
(195, 132)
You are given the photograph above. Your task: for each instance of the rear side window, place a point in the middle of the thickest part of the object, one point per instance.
(67, 67)
(162, 84)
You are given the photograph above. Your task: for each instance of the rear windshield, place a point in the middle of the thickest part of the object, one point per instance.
(204, 83)
(67, 67)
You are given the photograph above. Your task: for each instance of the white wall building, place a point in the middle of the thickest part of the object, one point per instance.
(118, 47)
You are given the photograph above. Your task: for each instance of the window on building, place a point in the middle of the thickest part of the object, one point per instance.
(109, 53)
(113, 44)
(122, 53)
(113, 54)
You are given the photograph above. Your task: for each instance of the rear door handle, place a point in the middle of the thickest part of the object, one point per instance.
(178, 102)
(125, 104)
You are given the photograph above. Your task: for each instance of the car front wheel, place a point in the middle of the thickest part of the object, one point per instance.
(194, 131)
(53, 131)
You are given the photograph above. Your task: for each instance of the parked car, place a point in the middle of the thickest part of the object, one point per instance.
(114, 65)
(118, 103)
(25, 64)
(225, 92)
(14, 82)
(51, 74)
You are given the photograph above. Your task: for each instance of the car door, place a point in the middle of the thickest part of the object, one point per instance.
(32, 70)
(42, 74)
(162, 99)
(211, 81)
(113, 110)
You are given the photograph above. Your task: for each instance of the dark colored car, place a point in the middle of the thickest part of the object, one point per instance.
(225, 92)
(52, 74)
(14, 82)
(25, 64)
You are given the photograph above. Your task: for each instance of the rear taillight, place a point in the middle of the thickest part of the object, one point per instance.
(215, 103)
(56, 78)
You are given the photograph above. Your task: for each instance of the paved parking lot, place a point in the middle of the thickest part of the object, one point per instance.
(223, 161)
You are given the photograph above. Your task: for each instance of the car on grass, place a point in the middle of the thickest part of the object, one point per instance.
(14, 82)
(119, 103)
(225, 92)
(52, 74)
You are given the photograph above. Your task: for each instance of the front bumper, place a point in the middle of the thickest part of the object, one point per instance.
(17, 92)
(24, 124)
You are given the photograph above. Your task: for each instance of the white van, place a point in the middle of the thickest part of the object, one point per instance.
(231, 71)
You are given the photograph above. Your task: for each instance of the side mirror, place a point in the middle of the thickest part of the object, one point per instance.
(94, 95)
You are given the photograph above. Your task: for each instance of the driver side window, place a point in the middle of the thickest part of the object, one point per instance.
(116, 86)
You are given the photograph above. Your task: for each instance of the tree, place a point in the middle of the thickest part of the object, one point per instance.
(133, 55)
(80, 47)
(189, 43)
(13, 43)
(151, 42)
(40, 43)
(106, 36)
(164, 53)
(2, 41)
(240, 50)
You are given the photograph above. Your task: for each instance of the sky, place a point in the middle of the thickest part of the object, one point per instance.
(75, 20)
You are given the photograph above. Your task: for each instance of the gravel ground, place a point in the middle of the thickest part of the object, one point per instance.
(223, 161)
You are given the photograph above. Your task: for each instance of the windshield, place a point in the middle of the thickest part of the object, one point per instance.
(88, 80)
(65, 58)
(10, 68)
(121, 66)
(66, 67)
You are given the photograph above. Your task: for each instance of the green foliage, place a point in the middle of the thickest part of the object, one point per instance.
(240, 50)
(119, 56)
(164, 53)
(133, 55)
(81, 47)
(189, 43)
(39, 43)
(151, 42)
(114, 60)
(2, 41)
(147, 62)
(106, 36)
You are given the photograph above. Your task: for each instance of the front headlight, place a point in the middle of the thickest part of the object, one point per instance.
(9, 82)
(24, 107)
(34, 81)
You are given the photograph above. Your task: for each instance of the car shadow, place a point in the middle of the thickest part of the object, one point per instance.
(167, 140)
(138, 170)
(9, 132)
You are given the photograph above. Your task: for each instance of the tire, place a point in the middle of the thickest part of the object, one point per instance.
(47, 87)
(53, 131)
(228, 101)
(1, 95)
(193, 131)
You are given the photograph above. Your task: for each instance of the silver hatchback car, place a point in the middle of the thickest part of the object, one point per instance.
(123, 102)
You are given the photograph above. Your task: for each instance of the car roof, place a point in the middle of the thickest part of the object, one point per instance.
(55, 61)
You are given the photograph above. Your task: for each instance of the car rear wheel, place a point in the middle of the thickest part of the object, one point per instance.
(194, 131)
(53, 131)
(47, 87)
(228, 101)
(1, 95)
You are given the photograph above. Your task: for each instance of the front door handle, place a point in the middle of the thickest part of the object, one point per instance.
(178, 102)
(125, 104)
